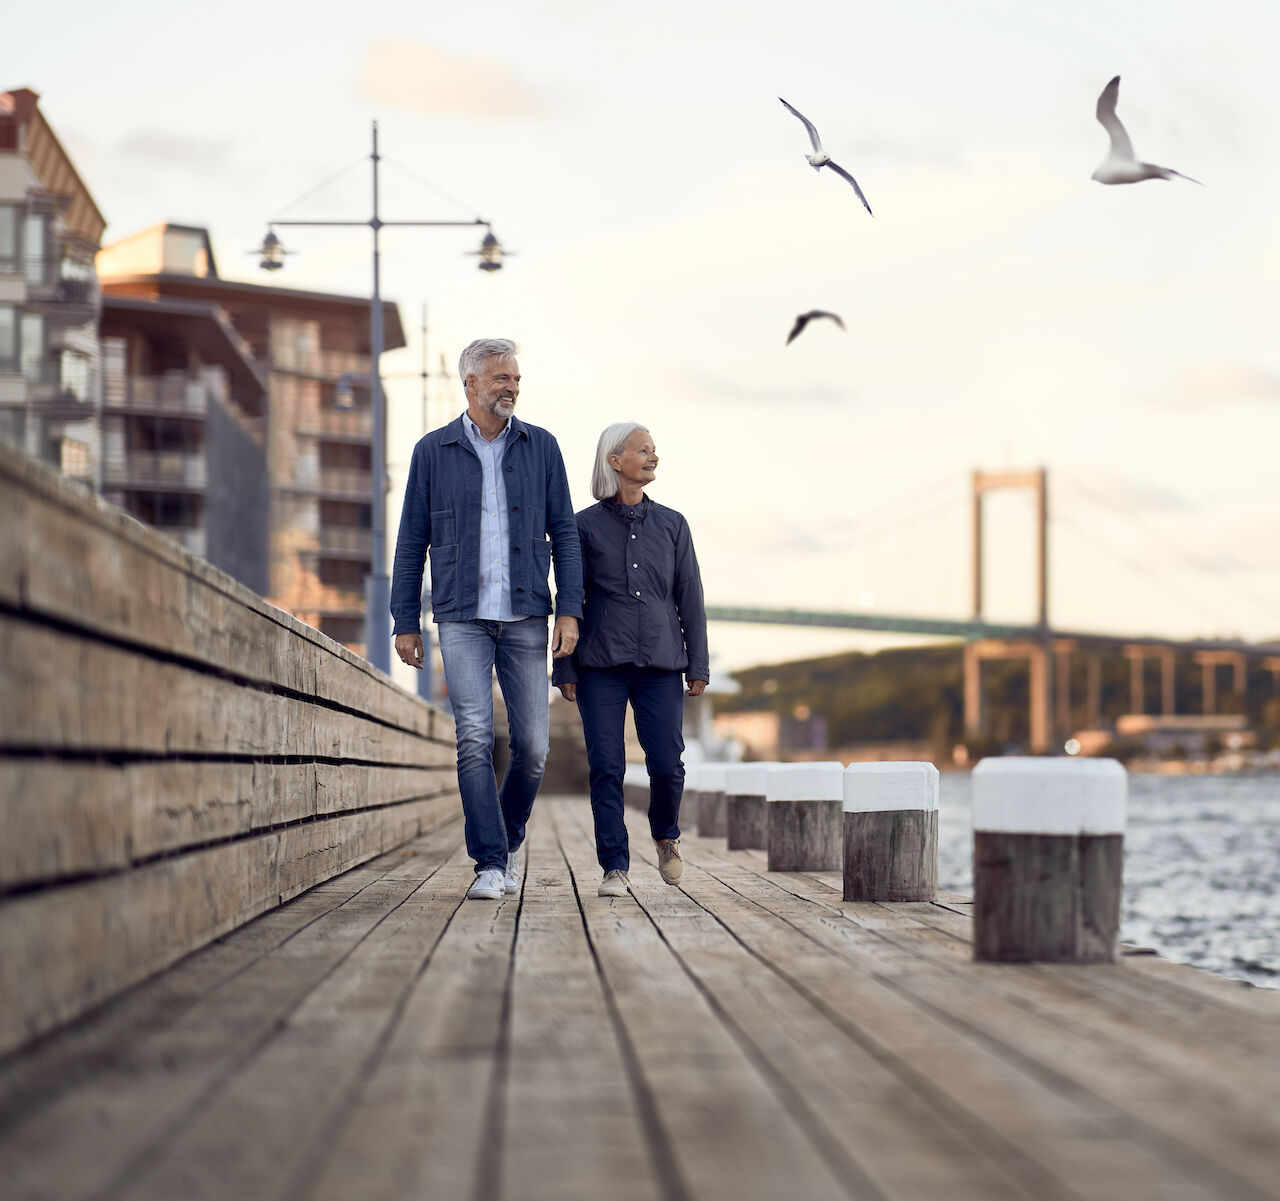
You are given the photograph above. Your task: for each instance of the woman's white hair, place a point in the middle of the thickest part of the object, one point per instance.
(604, 479)
(481, 350)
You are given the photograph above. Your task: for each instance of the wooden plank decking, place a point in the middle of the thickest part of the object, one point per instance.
(744, 1036)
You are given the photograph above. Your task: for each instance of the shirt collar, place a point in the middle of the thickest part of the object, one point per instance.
(474, 433)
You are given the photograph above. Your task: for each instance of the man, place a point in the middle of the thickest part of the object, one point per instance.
(484, 492)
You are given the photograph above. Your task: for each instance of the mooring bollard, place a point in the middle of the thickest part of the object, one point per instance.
(635, 786)
(1048, 859)
(745, 787)
(802, 817)
(690, 796)
(891, 832)
(711, 801)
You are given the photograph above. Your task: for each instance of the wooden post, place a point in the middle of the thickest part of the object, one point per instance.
(803, 817)
(891, 832)
(690, 797)
(1048, 858)
(745, 787)
(711, 801)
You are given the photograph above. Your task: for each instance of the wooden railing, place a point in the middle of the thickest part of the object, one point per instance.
(176, 754)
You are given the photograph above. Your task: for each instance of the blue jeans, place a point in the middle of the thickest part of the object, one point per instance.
(657, 700)
(494, 818)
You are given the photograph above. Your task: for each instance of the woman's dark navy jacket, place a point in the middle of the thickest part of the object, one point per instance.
(643, 593)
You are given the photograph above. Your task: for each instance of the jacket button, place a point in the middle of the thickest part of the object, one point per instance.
(515, 550)
(510, 468)
(515, 508)
(519, 589)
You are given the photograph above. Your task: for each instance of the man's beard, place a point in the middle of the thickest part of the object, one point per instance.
(501, 406)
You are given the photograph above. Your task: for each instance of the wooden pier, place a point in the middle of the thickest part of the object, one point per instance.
(746, 1035)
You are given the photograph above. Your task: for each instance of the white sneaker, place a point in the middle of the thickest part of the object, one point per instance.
(489, 886)
(512, 880)
(614, 884)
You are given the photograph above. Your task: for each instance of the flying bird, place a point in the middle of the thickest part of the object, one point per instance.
(1121, 164)
(820, 158)
(805, 318)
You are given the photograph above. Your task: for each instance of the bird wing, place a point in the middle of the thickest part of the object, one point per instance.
(823, 313)
(801, 322)
(1121, 146)
(840, 171)
(813, 133)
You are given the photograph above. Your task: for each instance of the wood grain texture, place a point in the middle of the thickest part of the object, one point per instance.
(710, 814)
(804, 836)
(745, 825)
(891, 855)
(747, 1034)
(1049, 897)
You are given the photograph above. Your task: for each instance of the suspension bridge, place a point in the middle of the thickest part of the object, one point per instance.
(1048, 650)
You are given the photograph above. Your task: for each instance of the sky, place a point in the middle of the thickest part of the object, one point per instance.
(1002, 311)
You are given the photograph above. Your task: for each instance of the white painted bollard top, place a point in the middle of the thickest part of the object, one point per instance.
(880, 787)
(747, 779)
(711, 777)
(806, 782)
(1050, 796)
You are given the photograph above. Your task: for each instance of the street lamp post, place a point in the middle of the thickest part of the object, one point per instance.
(377, 584)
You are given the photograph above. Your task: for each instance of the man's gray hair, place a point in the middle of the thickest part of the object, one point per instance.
(604, 479)
(471, 359)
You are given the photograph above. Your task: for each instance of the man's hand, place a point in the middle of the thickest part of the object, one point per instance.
(564, 637)
(696, 687)
(569, 691)
(409, 648)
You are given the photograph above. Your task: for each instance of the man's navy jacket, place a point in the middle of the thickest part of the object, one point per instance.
(442, 512)
(644, 593)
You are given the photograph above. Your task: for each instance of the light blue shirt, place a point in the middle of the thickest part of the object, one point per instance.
(494, 602)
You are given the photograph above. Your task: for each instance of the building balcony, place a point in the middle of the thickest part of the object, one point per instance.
(344, 425)
(335, 483)
(60, 387)
(345, 542)
(319, 364)
(158, 471)
(174, 392)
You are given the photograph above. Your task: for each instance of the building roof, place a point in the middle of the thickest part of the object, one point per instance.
(23, 129)
(204, 325)
(226, 291)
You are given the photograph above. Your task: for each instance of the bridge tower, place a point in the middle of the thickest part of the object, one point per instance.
(1037, 651)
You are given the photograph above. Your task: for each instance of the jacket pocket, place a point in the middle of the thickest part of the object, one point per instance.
(444, 576)
(444, 528)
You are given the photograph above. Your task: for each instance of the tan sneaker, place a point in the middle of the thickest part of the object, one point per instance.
(669, 862)
(614, 884)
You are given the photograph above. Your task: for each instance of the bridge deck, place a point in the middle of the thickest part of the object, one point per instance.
(745, 1036)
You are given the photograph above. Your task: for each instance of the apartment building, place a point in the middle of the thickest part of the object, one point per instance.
(50, 230)
(316, 435)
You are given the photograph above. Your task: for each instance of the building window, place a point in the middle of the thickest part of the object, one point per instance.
(9, 214)
(35, 237)
(8, 337)
(75, 459)
(76, 370)
(32, 346)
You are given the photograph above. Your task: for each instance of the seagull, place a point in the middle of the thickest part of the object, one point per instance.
(805, 318)
(820, 158)
(1121, 164)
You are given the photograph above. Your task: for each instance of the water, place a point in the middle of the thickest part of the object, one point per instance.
(1201, 868)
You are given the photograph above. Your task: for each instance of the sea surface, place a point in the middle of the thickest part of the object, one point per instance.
(1201, 867)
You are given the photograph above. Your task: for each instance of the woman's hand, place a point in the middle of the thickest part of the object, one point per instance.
(569, 691)
(696, 687)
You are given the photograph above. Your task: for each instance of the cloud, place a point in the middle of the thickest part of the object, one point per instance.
(416, 76)
(1209, 383)
(158, 148)
(718, 388)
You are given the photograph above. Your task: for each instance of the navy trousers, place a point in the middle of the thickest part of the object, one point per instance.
(657, 700)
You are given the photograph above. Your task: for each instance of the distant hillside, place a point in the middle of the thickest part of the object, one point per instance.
(918, 693)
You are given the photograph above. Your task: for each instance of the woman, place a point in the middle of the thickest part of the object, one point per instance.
(643, 625)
